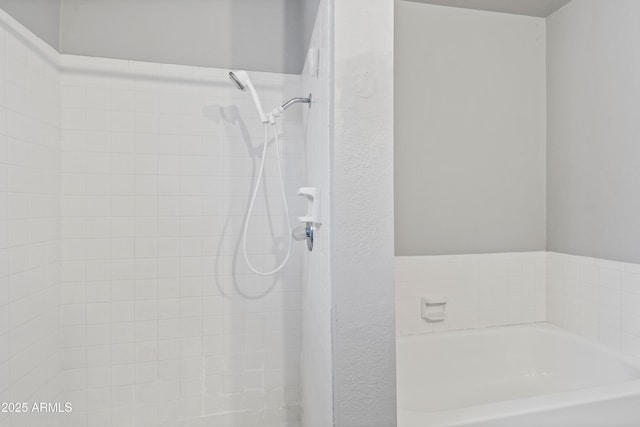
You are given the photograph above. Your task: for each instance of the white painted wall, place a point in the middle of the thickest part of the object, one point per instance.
(470, 131)
(163, 323)
(540, 8)
(316, 363)
(593, 150)
(309, 14)
(362, 263)
(41, 17)
(264, 35)
(30, 361)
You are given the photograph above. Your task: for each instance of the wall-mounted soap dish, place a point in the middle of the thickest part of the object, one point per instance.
(312, 219)
(434, 308)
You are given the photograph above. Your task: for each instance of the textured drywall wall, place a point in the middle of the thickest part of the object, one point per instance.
(362, 258)
(469, 131)
(41, 17)
(594, 125)
(263, 35)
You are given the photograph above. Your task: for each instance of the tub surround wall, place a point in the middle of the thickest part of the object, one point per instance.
(30, 366)
(595, 298)
(482, 290)
(593, 152)
(161, 323)
(470, 131)
(316, 363)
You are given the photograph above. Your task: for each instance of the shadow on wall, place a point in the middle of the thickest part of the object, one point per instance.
(291, 27)
(250, 50)
(229, 115)
(237, 284)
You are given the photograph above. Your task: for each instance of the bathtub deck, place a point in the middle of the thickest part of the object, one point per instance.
(458, 378)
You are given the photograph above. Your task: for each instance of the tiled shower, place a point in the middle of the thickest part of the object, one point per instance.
(124, 189)
(30, 229)
(160, 319)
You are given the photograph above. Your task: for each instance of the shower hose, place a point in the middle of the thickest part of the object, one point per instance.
(253, 201)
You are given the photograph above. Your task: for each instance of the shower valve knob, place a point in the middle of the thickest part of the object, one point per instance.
(305, 232)
(299, 233)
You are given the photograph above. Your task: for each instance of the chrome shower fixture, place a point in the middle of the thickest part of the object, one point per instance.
(292, 101)
(279, 110)
(242, 82)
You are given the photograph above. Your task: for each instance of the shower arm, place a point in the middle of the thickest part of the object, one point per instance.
(292, 101)
(279, 110)
(242, 81)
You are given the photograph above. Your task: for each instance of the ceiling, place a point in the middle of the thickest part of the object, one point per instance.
(541, 8)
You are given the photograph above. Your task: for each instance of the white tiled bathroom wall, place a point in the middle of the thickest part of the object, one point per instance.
(482, 290)
(29, 223)
(595, 298)
(129, 183)
(163, 324)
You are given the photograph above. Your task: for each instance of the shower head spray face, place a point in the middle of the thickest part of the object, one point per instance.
(243, 82)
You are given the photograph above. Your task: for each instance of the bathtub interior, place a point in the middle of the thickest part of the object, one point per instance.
(447, 371)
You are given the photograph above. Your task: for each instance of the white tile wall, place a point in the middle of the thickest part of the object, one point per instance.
(136, 204)
(163, 325)
(482, 290)
(316, 364)
(30, 365)
(595, 298)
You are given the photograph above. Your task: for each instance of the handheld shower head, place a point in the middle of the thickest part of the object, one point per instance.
(243, 82)
(237, 81)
